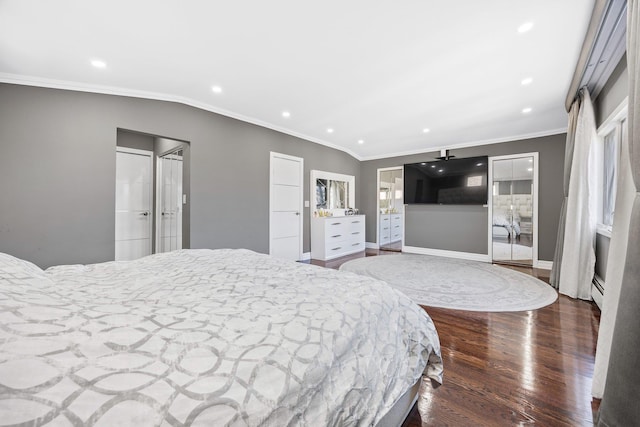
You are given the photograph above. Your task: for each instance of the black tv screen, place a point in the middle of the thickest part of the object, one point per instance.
(447, 182)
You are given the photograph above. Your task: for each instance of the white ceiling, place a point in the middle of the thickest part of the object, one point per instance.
(377, 71)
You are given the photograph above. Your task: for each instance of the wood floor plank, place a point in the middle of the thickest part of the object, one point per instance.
(514, 368)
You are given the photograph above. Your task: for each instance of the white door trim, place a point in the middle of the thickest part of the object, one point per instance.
(392, 168)
(536, 231)
(300, 160)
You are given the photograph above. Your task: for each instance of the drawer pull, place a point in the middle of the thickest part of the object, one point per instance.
(336, 223)
(355, 222)
(397, 226)
(385, 219)
(356, 232)
(337, 235)
(356, 244)
(336, 249)
(386, 228)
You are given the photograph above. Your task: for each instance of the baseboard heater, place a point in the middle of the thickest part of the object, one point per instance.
(597, 290)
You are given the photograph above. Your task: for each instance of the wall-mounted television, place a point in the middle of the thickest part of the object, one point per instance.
(447, 182)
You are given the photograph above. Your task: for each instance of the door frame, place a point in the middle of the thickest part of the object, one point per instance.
(534, 198)
(392, 168)
(300, 160)
(149, 154)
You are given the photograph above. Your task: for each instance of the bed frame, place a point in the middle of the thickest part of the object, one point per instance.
(400, 411)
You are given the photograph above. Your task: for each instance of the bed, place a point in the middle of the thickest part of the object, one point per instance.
(206, 337)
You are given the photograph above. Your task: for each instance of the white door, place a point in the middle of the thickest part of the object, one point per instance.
(285, 207)
(134, 186)
(170, 200)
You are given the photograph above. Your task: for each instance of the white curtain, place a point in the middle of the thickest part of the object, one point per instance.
(578, 256)
(554, 279)
(625, 193)
(619, 405)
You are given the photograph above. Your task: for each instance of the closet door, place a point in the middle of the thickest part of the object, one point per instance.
(513, 210)
(170, 202)
(133, 203)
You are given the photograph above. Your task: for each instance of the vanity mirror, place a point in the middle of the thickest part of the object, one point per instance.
(333, 191)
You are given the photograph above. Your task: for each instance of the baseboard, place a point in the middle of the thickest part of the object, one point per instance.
(371, 245)
(597, 286)
(596, 296)
(448, 254)
(544, 265)
(306, 256)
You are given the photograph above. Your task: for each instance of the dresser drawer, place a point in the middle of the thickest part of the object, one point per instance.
(336, 237)
(336, 229)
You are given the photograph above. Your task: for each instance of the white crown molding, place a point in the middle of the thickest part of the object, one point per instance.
(469, 144)
(118, 91)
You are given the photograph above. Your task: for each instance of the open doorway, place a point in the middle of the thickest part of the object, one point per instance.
(152, 194)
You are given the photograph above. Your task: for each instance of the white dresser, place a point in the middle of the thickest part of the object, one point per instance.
(391, 228)
(333, 237)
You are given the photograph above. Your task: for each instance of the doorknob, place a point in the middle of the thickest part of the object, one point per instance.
(297, 213)
(145, 213)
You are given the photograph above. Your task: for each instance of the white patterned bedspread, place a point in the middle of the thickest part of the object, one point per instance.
(205, 337)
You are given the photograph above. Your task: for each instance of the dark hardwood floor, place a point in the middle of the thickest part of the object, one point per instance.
(511, 369)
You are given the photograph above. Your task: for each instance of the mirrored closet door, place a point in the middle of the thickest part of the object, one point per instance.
(390, 209)
(170, 201)
(513, 198)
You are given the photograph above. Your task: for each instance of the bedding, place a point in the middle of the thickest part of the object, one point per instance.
(206, 337)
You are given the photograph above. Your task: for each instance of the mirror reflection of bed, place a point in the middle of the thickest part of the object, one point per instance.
(512, 211)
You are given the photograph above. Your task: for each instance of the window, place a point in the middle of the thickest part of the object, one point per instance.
(609, 176)
(611, 139)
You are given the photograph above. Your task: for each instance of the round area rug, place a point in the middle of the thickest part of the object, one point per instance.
(456, 284)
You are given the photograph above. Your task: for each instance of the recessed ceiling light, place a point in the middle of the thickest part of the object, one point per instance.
(216, 89)
(433, 166)
(329, 130)
(440, 170)
(526, 81)
(286, 114)
(361, 141)
(98, 63)
(526, 110)
(525, 27)
(479, 164)
(425, 130)
(423, 164)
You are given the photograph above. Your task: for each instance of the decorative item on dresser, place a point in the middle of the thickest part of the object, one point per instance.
(333, 237)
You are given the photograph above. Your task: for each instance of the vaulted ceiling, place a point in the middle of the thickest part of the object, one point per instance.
(373, 78)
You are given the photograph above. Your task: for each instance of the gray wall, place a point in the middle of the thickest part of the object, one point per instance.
(58, 172)
(137, 141)
(464, 228)
(613, 92)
